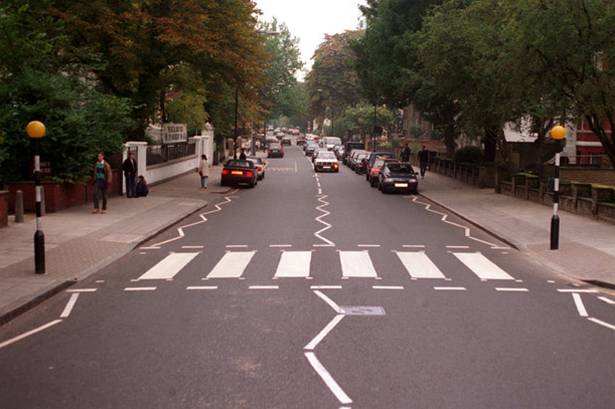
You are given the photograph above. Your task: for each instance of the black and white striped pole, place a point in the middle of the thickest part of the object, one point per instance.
(36, 130)
(558, 133)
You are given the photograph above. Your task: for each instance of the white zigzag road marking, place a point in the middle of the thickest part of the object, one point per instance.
(327, 225)
(445, 216)
(180, 230)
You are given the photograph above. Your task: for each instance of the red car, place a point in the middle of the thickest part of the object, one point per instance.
(374, 171)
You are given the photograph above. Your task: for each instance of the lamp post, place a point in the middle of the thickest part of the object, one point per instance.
(558, 133)
(35, 131)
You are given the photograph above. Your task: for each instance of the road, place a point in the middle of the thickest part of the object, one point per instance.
(315, 291)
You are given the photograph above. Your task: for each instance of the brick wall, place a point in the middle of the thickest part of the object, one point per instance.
(4, 208)
(588, 175)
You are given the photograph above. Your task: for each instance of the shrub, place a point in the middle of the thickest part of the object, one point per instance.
(469, 154)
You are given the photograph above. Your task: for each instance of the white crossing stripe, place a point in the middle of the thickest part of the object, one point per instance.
(169, 266)
(482, 266)
(294, 264)
(232, 264)
(357, 264)
(419, 265)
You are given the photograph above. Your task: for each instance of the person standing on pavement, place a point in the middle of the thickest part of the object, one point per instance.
(423, 160)
(102, 179)
(405, 154)
(243, 155)
(204, 171)
(129, 167)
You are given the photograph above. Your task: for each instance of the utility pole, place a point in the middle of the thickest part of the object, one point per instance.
(236, 122)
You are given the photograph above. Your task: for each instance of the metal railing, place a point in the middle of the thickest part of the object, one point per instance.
(157, 154)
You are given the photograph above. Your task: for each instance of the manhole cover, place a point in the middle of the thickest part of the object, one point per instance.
(362, 310)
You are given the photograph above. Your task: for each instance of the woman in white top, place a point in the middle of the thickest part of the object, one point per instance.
(204, 171)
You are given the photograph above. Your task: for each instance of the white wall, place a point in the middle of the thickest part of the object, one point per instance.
(164, 171)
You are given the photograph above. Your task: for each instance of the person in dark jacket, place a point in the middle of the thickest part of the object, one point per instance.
(142, 190)
(405, 154)
(423, 160)
(130, 175)
(243, 155)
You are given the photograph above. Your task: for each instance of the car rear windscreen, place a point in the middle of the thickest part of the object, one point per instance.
(326, 155)
(400, 168)
(240, 163)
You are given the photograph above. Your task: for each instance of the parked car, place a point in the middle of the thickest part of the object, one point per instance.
(338, 150)
(352, 158)
(361, 162)
(275, 150)
(326, 162)
(349, 147)
(374, 171)
(372, 158)
(286, 141)
(237, 172)
(260, 166)
(397, 177)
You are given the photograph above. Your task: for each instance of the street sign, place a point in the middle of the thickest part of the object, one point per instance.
(174, 133)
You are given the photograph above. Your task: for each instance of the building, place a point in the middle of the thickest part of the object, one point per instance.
(588, 149)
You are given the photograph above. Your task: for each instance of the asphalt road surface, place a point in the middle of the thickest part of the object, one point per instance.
(315, 291)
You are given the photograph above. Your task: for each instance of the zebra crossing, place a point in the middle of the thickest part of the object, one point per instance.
(417, 265)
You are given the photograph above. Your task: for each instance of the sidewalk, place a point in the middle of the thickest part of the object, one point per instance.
(587, 247)
(79, 243)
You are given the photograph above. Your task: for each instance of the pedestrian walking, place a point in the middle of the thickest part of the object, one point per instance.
(405, 154)
(423, 160)
(129, 167)
(204, 171)
(243, 155)
(102, 179)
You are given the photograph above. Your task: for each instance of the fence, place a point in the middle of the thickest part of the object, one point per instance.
(157, 154)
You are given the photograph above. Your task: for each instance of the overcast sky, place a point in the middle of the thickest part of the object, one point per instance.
(310, 20)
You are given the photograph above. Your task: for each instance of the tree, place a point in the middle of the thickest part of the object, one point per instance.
(333, 83)
(361, 118)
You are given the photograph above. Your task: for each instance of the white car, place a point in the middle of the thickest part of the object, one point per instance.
(326, 162)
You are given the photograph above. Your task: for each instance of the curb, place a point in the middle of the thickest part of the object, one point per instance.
(510, 242)
(16, 310)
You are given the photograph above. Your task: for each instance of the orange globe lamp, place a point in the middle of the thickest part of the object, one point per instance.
(558, 132)
(35, 129)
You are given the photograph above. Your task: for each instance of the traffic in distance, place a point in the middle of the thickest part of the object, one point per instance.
(381, 169)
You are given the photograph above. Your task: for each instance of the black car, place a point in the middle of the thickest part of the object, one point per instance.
(397, 177)
(236, 172)
(360, 163)
(275, 150)
(349, 147)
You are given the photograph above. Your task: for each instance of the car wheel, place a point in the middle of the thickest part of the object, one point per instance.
(415, 191)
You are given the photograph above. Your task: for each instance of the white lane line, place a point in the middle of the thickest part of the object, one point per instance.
(500, 248)
(368, 245)
(443, 218)
(232, 265)
(357, 264)
(457, 247)
(418, 265)
(169, 266)
(328, 379)
(202, 287)
(180, 230)
(281, 246)
(294, 264)
(150, 248)
(413, 246)
(129, 289)
(100, 281)
(512, 289)
(323, 333)
(606, 300)
(237, 246)
(551, 281)
(596, 320)
(484, 268)
(320, 191)
(193, 247)
(576, 290)
(69, 305)
(296, 168)
(264, 287)
(578, 302)
(388, 287)
(82, 290)
(329, 301)
(27, 334)
(325, 213)
(449, 288)
(326, 287)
